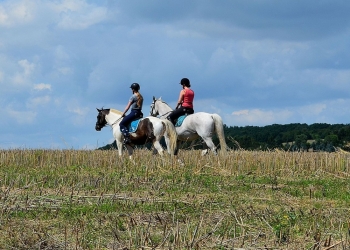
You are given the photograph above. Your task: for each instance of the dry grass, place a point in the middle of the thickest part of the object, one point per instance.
(53, 199)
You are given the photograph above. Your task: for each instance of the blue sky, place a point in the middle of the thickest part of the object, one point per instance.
(254, 62)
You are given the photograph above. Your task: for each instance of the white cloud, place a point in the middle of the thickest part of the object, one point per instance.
(23, 78)
(78, 111)
(65, 70)
(22, 117)
(260, 117)
(27, 67)
(313, 109)
(14, 13)
(79, 15)
(79, 115)
(42, 86)
(38, 101)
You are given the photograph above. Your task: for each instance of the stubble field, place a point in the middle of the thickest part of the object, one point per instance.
(70, 199)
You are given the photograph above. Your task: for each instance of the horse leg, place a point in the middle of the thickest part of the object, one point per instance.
(158, 147)
(178, 144)
(130, 150)
(120, 147)
(205, 148)
(208, 141)
(167, 143)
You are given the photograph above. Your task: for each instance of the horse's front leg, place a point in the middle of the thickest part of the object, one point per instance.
(119, 140)
(120, 147)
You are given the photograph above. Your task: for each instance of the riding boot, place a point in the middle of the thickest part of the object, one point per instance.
(126, 139)
(126, 136)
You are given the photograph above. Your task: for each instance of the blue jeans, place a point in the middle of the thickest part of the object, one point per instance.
(134, 114)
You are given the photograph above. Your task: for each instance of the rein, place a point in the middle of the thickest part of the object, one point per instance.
(116, 121)
(165, 114)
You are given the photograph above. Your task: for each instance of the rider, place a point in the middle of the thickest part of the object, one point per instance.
(135, 102)
(185, 101)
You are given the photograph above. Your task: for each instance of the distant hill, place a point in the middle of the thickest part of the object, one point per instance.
(293, 137)
(110, 146)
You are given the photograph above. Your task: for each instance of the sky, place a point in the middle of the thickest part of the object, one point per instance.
(253, 62)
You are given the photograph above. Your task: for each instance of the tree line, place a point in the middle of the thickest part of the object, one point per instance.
(292, 137)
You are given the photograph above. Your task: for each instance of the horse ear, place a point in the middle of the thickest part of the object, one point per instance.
(99, 110)
(160, 98)
(154, 98)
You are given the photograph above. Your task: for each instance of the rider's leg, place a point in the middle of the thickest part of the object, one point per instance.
(175, 114)
(188, 111)
(124, 127)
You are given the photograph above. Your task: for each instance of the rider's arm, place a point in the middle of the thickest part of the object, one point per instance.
(181, 98)
(126, 108)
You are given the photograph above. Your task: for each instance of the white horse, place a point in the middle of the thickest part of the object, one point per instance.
(150, 129)
(194, 126)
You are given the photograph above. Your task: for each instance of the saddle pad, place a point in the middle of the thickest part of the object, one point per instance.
(180, 120)
(133, 125)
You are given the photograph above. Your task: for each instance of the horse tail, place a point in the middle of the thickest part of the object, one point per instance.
(219, 128)
(171, 132)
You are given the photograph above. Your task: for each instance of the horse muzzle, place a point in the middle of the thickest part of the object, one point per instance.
(98, 127)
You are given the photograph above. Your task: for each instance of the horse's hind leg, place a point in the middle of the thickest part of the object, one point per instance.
(159, 147)
(130, 150)
(167, 143)
(210, 144)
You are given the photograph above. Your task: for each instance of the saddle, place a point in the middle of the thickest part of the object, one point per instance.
(134, 125)
(180, 120)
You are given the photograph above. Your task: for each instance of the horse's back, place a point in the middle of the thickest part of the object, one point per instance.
(199, 119)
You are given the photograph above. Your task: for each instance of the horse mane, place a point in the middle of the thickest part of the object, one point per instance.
(162, 101)
(116, 111)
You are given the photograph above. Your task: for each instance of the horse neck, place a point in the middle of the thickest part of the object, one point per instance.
(163, 108)
(112, 117)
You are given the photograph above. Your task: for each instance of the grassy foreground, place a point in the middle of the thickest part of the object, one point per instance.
(53, 199)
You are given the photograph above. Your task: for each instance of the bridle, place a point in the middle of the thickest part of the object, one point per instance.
(98, 122)
(101, 125)
(152, 109)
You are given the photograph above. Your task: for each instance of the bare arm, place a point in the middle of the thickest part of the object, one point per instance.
(181, 98)
(126, 108)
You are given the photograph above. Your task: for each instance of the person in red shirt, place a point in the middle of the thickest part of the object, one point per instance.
(185, 102)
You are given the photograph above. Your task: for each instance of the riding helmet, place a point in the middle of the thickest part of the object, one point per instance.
(135, 86)
(186, 82)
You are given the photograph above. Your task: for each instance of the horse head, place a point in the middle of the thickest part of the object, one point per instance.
(154, 110)
(101, 119)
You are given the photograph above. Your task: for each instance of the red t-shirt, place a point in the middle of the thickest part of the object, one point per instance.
(188, 98)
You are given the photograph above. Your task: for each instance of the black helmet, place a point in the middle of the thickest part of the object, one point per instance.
(186, 82)
(135, 86)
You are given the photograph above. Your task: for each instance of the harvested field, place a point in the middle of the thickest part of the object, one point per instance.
(70, 199)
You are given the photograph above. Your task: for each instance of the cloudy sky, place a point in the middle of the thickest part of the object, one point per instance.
(254, 62)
